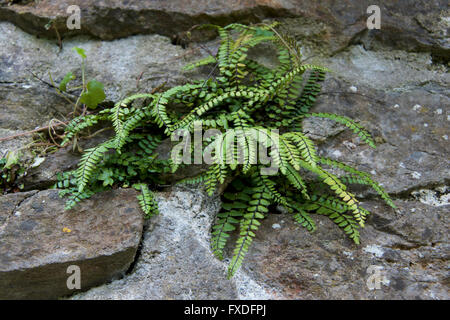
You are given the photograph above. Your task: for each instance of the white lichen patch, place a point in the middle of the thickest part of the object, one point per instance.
(348, 254)
(349, 145)
(374, 249)
(249, 289)
(416, 175)
(336, 153)
(440, 196)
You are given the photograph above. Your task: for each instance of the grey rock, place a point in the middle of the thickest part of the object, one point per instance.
(62, 160)
(14, 144)
(45, 175)
(101, 238)
(411, 151)
(117, 64)
(175, 260)
(409, 250)
(25, 107)
(400, 96)
(386, 68)
(423, 26)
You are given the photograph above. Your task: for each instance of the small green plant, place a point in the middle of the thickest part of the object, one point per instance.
(10, 170)
(92, 92)
(244, 101)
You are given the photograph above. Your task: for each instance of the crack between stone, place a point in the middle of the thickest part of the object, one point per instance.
(2, 227)
(407, 194)
(138, 253)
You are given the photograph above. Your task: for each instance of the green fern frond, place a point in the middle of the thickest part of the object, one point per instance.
(359, 177)
(271, 189)
(88, 163)
(335, 210)
(302, 218)
(296, 180)
(216, 174)
(79, 124)
(76, 197)
(130, 124)
(340, 190)
(351, 124)
(249, 224)
(305, 145)
(202, 62)
(147, 200)
(117, 111)
(220, 234)
(364, 180)
(249, 106)
(194, 180)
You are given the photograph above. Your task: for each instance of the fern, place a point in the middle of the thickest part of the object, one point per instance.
(353, 125)
(89, 162)
(335, 210)
(303, 219)
(310, 92)
(205, 61)
(305, 145)
(256, 209)
(81, 123)
(249, 105)
(78, 196)
(359, 177)
(147, 200)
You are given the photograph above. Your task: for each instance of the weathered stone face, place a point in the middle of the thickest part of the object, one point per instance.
(409, 248)
(410, 126)
(400, 95)
(407, 23)
(39, 241)
(176, 261)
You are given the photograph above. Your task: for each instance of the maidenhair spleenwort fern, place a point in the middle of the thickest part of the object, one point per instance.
(244, 101)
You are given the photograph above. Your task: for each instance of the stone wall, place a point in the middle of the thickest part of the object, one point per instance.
(394, 80)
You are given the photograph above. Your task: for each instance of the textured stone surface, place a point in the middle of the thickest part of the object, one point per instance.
(35, 249)
(13, 144)
(175, 261)
(117, 64)
(387, 69)
(65, 159)
(411, 129)
(125, 66)
(400, 96)
(407, 23)
(45, 175)
(410, 248)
